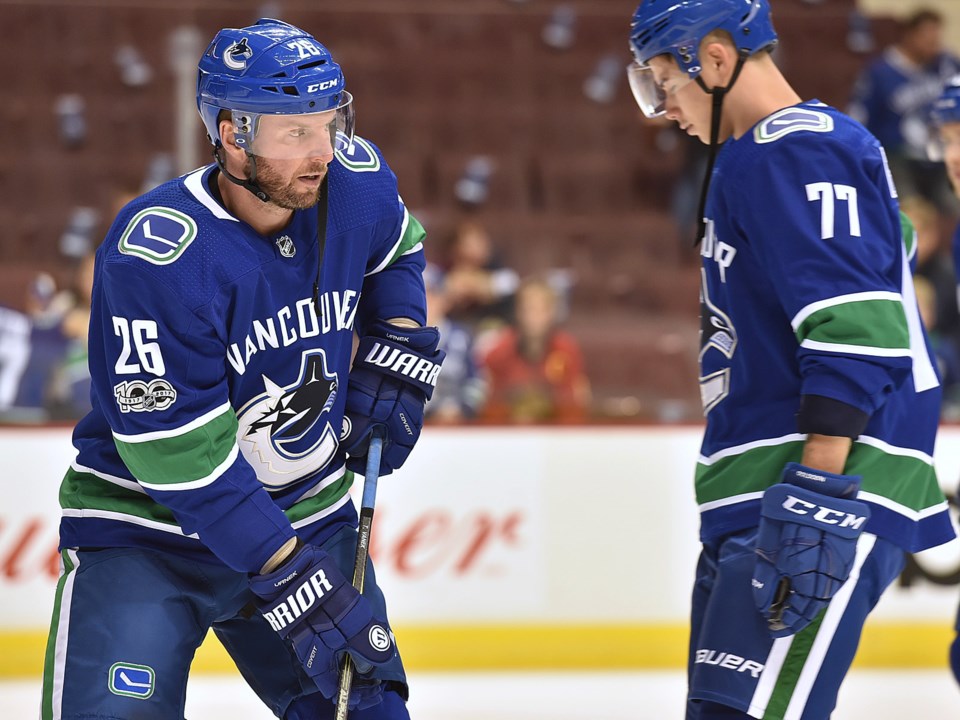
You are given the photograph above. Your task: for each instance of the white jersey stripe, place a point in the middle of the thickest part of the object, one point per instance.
(856, 349)
(390, 253)
(175, 432)
(194, 183)
(738, 449)
(63, 636)
(124, 517)
(122, 482)
(768, 678)
(310, 519)
(826, 631)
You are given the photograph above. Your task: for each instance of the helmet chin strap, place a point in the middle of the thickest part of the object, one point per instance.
(250, 184)
(717, 93)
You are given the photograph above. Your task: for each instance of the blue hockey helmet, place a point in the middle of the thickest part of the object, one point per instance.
(677, 27)
(947, 107)
(270, 68)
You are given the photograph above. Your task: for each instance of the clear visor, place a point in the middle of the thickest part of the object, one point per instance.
(649, 96)
(296, 137)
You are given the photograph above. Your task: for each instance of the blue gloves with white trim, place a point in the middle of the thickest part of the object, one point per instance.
(310, 603)
(394, 374)
(806, 545)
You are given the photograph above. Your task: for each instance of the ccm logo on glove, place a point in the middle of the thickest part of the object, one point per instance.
(403, 363)
(297, 603)
(823, 514)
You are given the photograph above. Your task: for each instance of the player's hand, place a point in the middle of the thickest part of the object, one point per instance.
(310, 603)
(806, 545)
(393, 376)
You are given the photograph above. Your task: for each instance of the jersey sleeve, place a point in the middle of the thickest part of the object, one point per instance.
(393, 284)
(821, 218)
(159, 372)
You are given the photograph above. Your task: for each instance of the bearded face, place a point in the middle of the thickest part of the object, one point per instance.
(291, 184)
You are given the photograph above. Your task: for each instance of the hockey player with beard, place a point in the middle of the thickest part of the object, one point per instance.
(211, 483)
(821, 400)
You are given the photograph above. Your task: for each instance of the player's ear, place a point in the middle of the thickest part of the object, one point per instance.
(227, 134)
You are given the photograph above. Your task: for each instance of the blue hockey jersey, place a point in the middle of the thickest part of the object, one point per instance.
(893, 98)
(219, 379)
(806, 290)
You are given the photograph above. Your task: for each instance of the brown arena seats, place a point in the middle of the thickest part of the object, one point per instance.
(576, 184)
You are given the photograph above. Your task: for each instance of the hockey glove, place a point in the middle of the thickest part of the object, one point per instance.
(393, 376)
(806, 545)
(309, 603)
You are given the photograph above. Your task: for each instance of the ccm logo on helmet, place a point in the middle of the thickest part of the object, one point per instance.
(823, 514)
(299, 601)
(316, 87)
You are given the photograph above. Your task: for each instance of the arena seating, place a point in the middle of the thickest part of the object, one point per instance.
(576, 184)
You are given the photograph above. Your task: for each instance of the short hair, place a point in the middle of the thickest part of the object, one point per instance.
(921, 17)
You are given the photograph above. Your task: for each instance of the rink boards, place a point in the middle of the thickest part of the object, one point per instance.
(502, 548)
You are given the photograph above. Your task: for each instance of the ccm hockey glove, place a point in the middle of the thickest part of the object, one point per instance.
(393, 376)
(806, 545)
(309, 602)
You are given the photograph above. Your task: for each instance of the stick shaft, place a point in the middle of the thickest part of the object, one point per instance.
(360, 559)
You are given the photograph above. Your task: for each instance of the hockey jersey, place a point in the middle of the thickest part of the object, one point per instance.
(806, 290)
(219, 376)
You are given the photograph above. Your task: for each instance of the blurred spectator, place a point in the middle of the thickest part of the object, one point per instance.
(935, 265)
(70, 390)
(478, 288)
(45, 309)
(946, 352)
(460, 390)
(893, 98)
(535, 370)
(14, 353)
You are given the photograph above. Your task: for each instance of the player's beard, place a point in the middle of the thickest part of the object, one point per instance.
(283, 192)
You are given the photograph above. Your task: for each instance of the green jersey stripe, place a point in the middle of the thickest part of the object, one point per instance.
(199, 482)
(87, 495)
(877, 326)
(815, 307)
(900, 479)
(55, 656)
(201, 454)
(411, 236)
(908, 234)
(790, 672)
(182, 430)
(82, 492)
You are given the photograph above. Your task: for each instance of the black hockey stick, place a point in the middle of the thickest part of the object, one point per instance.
(363, 550)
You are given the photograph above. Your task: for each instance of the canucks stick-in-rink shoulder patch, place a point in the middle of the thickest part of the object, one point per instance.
(136, 681)
(158, 234)
(791, 120)
(140, 396)
(359, 156)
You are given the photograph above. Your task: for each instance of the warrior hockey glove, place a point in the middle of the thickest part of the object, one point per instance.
(806, 545)
(393, 376)
(309, 602)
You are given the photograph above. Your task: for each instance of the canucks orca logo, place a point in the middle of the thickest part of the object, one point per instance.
(237, 54)
(717, 333)
(286, 433)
